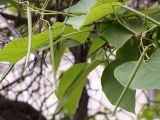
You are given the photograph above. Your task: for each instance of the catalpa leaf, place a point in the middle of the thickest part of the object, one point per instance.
(68, 78)
(70, 90)
(116, 34)
(111, 87)
(147, 76)
(77, 21)
(96, 44)
(16, 50)
(82, 7)
(98, 10)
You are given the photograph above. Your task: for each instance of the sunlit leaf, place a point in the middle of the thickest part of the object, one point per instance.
(98, 12)
(76, 22)
(83, 6)
(17, 49)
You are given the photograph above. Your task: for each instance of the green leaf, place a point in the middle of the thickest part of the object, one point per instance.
(77, 21)
(58, 53)
(98, 11)
(132, 51)
(96, 44)
(16, 50)
(82, 7)
(72, 85)
(112, 88)
(147, 76)
(70, 43)
(116, 34)
(156, 15)
(101, 2)
(136, 25)
(68, 78)
(100, 54)
(79, 35)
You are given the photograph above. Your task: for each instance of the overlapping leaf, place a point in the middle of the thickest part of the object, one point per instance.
(17, 49)
(111, 87)
(147, 76)
(77, 21)
(69, 77)
(96, 44)
(94, 12)
(116, 34)
(98, 11)
(71, 86)
(82, 7)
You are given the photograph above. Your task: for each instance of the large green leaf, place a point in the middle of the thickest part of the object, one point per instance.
(79, 35)
(116, 34)
(58, 53)
(136, 25)
(147, 76)
(68, 78)
(101, 2)
(77, 21)
(156, 15)
(111, 87)
(70, 43)
(94, 12)
(82, 7)
(17, 49)
(129, 51)
(98, 11)
(72, 88)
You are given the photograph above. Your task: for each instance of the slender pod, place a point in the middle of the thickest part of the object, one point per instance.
(29, 18)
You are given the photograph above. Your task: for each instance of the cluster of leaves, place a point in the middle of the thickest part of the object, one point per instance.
(110, 26)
